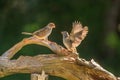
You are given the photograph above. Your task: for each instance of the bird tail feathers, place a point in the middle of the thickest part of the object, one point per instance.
(27, 33)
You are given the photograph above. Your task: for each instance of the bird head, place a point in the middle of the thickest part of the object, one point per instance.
(65, 33)
(51, 25)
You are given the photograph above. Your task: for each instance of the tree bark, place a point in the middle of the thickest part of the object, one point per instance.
(63, 64)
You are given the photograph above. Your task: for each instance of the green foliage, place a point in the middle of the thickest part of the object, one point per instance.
(112, 40)
(17, 77)
(31, 27)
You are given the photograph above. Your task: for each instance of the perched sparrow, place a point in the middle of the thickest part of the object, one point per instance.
(42, 33)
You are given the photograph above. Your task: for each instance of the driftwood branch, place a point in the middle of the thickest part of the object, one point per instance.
(33, 40)
(62, 63)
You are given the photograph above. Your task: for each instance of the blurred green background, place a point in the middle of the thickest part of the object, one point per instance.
(101, 16)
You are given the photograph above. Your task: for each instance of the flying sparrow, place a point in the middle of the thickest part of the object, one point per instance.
(78, 33)
(42, 33)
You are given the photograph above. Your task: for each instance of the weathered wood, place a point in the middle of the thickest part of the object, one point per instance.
(62, 63)
(64, 67)
(33, 40)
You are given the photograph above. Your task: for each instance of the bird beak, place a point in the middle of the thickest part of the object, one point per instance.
(54, 26)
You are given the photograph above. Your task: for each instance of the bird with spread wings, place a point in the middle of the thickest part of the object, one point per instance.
(73, 40)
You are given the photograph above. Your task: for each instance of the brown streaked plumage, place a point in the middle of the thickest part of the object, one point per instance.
(67, 42)
(78, 33)
(42, 33)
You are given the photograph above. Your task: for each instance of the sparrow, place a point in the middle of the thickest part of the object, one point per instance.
(73, 40)
(67, 41)
(42, 33)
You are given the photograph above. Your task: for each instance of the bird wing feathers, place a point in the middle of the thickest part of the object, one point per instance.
(76, 27)
(41, 32)
(78, 37)
(78, 33)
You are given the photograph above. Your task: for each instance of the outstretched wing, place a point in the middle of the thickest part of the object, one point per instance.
(76, 27)
(78, 37)
(78, 33)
